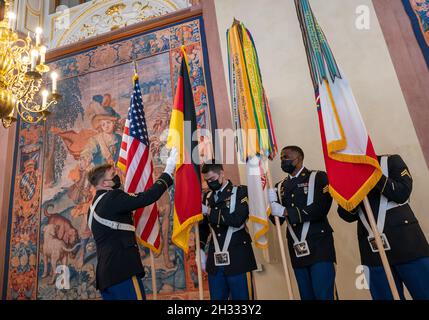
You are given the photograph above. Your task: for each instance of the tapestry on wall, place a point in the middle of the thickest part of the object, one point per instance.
(51, 253)
(418, 11)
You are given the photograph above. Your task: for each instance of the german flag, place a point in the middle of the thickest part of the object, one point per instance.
(187, 196)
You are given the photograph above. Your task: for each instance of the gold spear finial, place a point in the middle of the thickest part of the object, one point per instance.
(136, 76)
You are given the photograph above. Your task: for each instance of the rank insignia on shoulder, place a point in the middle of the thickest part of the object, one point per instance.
(405, 173)
(326, 189)
(244, 200)
(132, 194)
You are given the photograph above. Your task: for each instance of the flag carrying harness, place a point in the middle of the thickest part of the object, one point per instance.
(105, 222)
(221, 257)
(385, 205)
(300, 245)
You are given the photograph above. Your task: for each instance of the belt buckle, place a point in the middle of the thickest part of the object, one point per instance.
(115, 225)
(301, 249)
(373, 244)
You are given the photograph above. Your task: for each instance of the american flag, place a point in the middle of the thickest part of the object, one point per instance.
(135, 160)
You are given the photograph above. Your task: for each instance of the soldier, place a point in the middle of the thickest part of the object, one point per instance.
(406, 246)
(230, 259)
(119, 268)
(303, 200)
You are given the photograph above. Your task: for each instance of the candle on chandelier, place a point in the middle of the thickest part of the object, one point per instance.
(34, 56)
(11, 20)
(45, 94)
(54, 77)
(38, 34)
(42, 54)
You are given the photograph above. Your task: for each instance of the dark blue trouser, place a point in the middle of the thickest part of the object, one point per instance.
(130, 289)
(236, 287)
(414, 275)
(317, 282)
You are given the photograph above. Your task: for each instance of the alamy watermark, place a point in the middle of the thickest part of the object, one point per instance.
(363, 279)
(63, 277)
(363, 19)
(203, 145)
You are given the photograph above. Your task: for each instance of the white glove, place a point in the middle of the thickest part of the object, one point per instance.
(205, 209)
(203, 258)
(272, 195)
(171, 162)
(277, 209)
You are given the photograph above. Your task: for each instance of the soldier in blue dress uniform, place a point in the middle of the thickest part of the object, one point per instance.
(119, 270)
(405, 243)
(230, 259)
(303, 200)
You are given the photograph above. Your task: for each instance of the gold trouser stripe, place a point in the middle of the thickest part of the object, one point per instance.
(137, 288)
(249, 285)
(335, 284)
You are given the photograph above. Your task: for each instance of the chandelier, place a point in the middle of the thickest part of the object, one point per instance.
(22, 74)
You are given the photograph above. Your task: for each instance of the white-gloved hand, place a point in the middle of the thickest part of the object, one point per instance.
(171, 162)
(205, 210)
(272, 195)
(277, 209)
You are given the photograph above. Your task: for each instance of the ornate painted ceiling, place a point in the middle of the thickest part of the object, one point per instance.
(99, 16)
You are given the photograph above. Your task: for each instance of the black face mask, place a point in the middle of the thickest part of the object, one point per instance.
(117, 182)
(214, 185)
(287, 166)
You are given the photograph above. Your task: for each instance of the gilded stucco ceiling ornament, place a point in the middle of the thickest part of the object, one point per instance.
(97, 17)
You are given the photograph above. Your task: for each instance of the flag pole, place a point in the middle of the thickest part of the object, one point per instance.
(284, 261)
(307, 38)
(198, 258)
(135, 67)
(282, 247)
(152, 259)
(153, 272)
(381, 250)
(266, 250)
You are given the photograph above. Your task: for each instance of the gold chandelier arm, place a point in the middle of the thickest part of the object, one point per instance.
(21, 45)
(30, 118)
(21, 105)
(37, 107)
(16, 52)
(16, 77)
(27, 89)
(26, 117)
